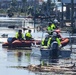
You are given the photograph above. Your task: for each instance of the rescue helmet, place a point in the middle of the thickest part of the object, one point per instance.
(29, 31)
(55, 21)
(20, 31)
(47, 35)
(49, 23)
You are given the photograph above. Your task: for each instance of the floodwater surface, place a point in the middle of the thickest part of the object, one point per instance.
(10, 58)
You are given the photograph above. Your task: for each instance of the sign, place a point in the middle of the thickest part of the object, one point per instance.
(67, 1)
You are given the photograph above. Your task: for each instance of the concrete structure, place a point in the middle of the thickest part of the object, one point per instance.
(6, 3)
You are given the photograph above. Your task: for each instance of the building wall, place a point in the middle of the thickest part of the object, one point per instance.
(4, 4)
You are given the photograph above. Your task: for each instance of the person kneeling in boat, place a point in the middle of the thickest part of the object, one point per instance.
(28, 35)
(45, 42)
(19, 35)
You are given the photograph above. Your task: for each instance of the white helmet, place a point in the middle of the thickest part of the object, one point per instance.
(47, 35)
(55, 21)
(54, 34)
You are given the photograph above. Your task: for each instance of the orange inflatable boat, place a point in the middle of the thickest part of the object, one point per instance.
(64, 41)
(20, 43)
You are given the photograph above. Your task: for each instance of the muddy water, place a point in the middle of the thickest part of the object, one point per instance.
(10, 58)
(15, 58)
(19, 57)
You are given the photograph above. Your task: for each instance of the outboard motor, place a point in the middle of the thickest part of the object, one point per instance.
(54, 50)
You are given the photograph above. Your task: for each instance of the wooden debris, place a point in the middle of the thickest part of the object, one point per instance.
(50, 68)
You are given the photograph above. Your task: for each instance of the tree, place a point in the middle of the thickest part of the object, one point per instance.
(48, 7)
(24, 5)
(13, 5)
(14, 2)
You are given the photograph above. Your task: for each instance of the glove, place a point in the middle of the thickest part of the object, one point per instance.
(44, 47)
(60, 46)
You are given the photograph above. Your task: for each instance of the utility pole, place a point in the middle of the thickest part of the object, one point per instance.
(48, 6)
(34, 4)
(62, 16)
(48, 2)
(72, 11)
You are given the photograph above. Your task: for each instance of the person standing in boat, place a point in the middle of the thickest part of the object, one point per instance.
(51, 27)
(28, 35)
(19, 35)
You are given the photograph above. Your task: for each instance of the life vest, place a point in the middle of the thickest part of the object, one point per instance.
(45, 42)
(19, 36)
(51, 27)
(28, 36)
(55, 39)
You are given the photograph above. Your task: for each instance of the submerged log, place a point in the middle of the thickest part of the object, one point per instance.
(50, 68)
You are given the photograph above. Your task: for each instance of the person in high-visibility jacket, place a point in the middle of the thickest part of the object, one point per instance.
(28, 35)
(53, 38)
(45, 42)
(19, 35)
(51, 27)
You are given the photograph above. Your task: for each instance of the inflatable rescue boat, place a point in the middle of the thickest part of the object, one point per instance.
(19, 43)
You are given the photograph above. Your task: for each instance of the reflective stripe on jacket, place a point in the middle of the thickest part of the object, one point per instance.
(57, 39)
(51, 27)
(47, 43)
